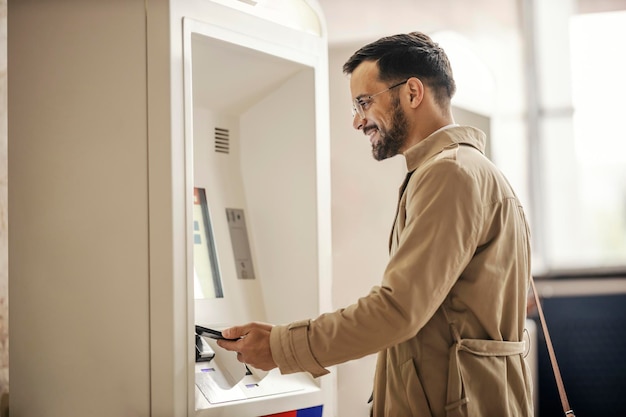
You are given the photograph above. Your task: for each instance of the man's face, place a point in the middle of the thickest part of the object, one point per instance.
(384, 120)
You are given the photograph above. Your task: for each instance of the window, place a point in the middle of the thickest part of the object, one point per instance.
(586, 207)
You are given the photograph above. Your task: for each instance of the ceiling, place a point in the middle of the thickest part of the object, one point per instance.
(355, 21)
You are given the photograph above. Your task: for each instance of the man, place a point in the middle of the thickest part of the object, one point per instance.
(448, 318)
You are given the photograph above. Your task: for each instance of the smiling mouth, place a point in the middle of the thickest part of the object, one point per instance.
(371, 133)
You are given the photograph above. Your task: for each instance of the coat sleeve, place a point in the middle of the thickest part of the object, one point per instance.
(443, 211)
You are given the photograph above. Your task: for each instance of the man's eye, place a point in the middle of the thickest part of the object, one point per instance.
(364, 103)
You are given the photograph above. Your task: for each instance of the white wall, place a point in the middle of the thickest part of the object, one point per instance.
(364, 193)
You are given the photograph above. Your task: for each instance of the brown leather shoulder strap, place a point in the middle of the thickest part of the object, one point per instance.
(555, 367)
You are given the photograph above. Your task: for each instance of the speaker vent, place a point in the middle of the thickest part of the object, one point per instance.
(222, 140)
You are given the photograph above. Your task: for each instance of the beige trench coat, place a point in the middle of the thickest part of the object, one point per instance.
(448, 318)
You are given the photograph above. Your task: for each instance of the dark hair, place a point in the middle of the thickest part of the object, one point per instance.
(409, 55)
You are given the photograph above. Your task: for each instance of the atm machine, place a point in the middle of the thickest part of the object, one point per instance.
(169, 166)
(250, 106)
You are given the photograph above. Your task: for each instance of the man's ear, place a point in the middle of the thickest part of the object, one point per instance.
(416, 91)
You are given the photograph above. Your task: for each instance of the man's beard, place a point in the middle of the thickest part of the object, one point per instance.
(390, 142)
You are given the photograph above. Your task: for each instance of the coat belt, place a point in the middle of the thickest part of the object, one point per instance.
(456, 396)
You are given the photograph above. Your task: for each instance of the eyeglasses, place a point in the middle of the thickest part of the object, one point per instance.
(360, 104)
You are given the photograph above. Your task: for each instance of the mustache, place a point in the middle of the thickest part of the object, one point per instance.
(368, 129)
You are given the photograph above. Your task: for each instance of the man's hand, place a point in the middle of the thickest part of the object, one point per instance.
(252, 346)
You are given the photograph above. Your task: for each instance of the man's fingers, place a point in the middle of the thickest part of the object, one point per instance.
(252, 344)
(236, 332)
(235, 335)
(231, 345)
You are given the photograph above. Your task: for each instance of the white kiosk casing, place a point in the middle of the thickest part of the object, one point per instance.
(112, 120)
(253, 129)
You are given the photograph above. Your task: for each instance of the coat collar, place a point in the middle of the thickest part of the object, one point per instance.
(433, 144)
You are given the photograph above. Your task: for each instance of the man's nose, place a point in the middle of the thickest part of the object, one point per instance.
(358, 121)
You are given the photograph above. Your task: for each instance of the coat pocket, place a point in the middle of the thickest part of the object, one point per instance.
(416, 400)
(477, 378)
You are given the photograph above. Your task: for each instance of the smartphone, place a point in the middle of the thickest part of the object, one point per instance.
(211, 333)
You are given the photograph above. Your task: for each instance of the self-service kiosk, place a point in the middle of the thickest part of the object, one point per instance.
(169, 166)
(250, 114)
